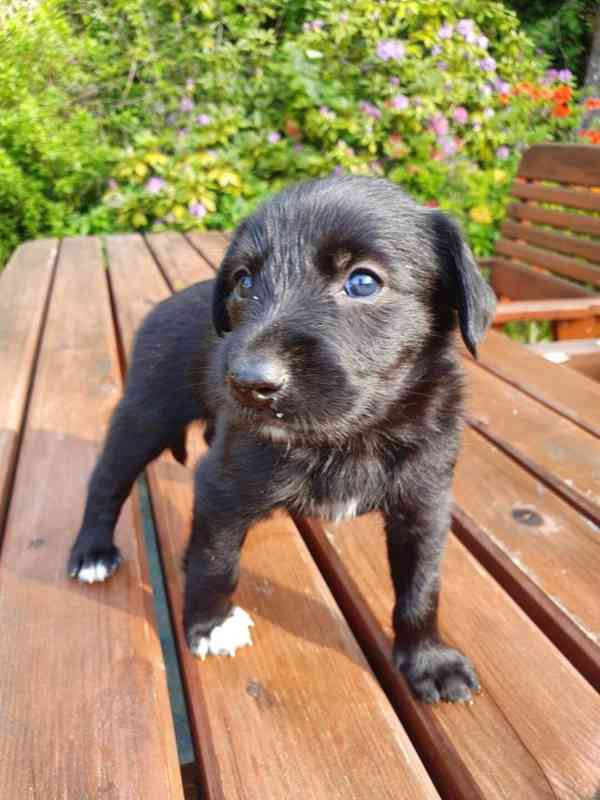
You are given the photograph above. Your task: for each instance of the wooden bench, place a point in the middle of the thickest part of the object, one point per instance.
(314, 709)
(547, 263)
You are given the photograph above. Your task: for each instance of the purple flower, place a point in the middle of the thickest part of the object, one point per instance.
(273, 137)
(112, 185)
(447, 145)
(155, 185)
(461, 115)
(182, 132)
(439, 125)
(298, 147)
(400, 101)
(488, 64)
(189, 84)
(436, 50)
(326, 112)
(370, 110)
(501, 86)
(203, 119)
(489, 113)
(445, 32)
(186, 104)
(551, 74)
(197, 210)
(565, 75)
(390, 50)
(483, 42)
(338, 171)
(314, 25)
(477, 126)
(343, 17)
(442, 65)
(466, 28)
(395, 81)
(486, 91)
(502, 152)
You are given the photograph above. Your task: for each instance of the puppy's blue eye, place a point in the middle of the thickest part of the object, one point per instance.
(243, 282)
(362, 284)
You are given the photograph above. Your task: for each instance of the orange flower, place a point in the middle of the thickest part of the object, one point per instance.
(593, 136)
(562, 94)
(504, 99)
(592, 103)
(560, 111)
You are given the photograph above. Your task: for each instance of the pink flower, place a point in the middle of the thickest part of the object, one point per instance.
(203, 119)
(314, 25)
(461, 115)
(439, 125)
(436, 50)
(298, 148)
(370, 110)
(395, 81)
(448, 145)
(442, 65)
(326, 112)
(483, 42)
(273, 137)
(112, 185)
(445, 32)
(155, 185)
(502, 152)
(565, 75)
(187, 104)
(400, 101)
(390, 50)
(197, 210)
(338, 171)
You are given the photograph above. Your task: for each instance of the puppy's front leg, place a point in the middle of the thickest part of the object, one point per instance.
(212, 563)
(415, 540)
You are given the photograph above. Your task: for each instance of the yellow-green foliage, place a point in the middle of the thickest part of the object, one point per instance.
(145, 114)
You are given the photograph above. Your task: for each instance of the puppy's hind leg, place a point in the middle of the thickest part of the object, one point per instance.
(135, 438)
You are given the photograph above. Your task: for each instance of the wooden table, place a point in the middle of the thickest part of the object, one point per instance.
(314, 710)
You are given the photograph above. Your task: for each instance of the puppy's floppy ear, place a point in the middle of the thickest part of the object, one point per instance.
(220, 317)
(469, 292)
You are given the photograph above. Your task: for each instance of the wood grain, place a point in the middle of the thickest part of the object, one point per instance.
(84, 709)
(298, 715)
(515, 280)
(575, 398)
(557, 242)
(523, 736)
(578, 223)
(24, 290)
(551, 548)
(569, 309)
(179, 261)
(210, 244)
(546, 259)
(551, 445)
(575, 164)
(573, 198)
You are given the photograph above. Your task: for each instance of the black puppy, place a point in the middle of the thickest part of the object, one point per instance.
(336, 391)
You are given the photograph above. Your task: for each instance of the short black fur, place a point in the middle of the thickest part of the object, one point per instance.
(358, 406)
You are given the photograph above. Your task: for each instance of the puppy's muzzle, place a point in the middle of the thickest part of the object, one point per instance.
(257, 382)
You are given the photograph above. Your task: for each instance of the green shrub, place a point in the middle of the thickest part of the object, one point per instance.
(146, 114)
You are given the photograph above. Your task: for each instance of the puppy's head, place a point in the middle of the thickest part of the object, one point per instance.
(334, 295)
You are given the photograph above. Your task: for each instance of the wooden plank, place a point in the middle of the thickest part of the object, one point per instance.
(272, 722)
(520, 282)
(569, 267)
(547, 309)
(571, 245)
(573, 198)
(24, 290)
(577, 328)
(576, 399)
(526, 735)
(561, 454)
(84, 708)
(181, 264)
(550, 553)
(577, 164)
(210, 244)
(579, 223)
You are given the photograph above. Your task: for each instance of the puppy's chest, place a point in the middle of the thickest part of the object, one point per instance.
(336, 488)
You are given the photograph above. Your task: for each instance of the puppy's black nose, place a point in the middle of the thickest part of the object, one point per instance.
(256, 381)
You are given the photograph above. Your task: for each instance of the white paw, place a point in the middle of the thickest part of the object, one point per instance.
(93, 573)
(227, 637)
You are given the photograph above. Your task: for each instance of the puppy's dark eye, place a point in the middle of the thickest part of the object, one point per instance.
(362, 284)
(243, 282)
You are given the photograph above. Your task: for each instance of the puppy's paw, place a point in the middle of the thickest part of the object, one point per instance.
(437, 672)
(223, 639)
(95, 565)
